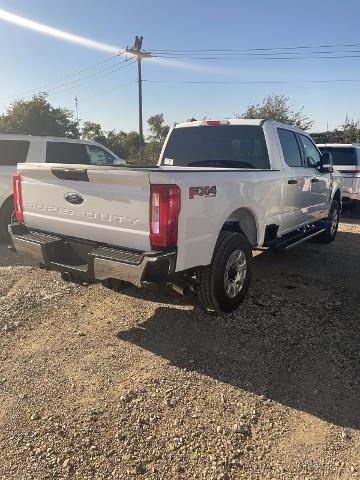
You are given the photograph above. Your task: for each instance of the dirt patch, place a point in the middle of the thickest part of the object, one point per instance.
(102, 385)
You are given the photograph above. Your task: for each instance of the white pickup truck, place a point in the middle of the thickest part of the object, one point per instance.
(221, 188)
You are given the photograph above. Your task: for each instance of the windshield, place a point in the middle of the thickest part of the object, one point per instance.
(341, 155)
(224, 146)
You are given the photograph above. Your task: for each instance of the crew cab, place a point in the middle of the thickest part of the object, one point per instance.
(17, 148)
(221, 189)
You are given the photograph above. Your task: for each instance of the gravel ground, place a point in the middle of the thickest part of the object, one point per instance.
(102, 385)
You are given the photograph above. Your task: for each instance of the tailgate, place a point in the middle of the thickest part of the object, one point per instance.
(103, 204)
(350, 175)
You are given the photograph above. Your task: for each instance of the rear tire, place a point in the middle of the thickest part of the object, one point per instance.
(224, 283)
(333, 223)
(6, 213)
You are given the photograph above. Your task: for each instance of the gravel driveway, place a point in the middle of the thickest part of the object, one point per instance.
(102, 385)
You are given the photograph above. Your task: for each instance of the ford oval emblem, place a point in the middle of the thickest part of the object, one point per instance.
(74, 198)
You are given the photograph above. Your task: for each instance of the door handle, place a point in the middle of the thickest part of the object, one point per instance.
(315, 180)
(292, 182)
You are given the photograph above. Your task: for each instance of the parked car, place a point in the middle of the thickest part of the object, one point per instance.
(346, 159)
(221, 189)
(16, 149)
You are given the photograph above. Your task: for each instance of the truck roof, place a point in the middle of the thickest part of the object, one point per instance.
(24, 136)
(222, 121)
(235, 121)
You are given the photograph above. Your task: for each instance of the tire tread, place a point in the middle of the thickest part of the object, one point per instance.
(207, 276)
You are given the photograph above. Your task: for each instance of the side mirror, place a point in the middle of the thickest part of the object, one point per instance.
(326, 165)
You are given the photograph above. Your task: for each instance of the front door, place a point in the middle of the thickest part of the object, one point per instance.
(319, 195)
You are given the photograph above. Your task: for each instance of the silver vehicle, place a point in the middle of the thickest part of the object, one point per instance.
(346, 159)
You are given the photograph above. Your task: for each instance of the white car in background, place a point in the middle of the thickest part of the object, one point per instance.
(346, 159)
(15, 148)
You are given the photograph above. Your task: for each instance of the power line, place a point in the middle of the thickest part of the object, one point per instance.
(258, 58)
(94, 79)
(52, 82)
(105, 92)
(256, 54)
(248, 82)
(74, 84)
(111, 69)
(347, 45)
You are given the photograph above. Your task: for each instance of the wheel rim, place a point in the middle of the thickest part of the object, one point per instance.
(334, 221)
(235, 273)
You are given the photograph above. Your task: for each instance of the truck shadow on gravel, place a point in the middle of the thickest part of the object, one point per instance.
(294, 340)
(316, 372)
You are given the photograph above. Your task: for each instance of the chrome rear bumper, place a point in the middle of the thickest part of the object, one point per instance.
(87, 261)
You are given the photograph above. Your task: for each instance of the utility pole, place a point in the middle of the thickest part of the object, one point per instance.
(77, 111)
(139, 54)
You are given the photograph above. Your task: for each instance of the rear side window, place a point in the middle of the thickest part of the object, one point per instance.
(61, 152)
(221, 146)
(290, 148)
(341, 156)
(13, 152)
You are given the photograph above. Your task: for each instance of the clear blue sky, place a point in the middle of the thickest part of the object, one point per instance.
(30, 59)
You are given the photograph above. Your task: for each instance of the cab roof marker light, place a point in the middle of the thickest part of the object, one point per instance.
(216, 122)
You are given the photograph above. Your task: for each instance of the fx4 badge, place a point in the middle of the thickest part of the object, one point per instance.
(202, 192)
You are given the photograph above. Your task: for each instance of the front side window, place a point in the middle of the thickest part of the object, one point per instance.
(312, 154)
(290, 147)
(221, 146)
(13, 152)
(99, 156)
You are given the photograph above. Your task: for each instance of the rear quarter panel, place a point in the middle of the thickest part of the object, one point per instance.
(202, 217)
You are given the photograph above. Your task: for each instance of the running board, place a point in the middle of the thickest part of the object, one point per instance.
(296, 239)
(304, 239)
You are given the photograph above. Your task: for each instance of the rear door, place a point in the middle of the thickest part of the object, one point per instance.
(104, 204)
(295, 184)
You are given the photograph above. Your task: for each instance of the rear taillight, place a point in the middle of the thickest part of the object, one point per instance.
(18, 203)
(165, 202)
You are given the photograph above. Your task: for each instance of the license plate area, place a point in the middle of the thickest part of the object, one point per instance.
(69, 253)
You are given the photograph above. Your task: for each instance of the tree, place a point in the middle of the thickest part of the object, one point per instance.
(117, 143)
(276, 107)
(158, 133)
(38, 117)
(351, 130)
(92, 131)
(132, 147)
(158, 130)
(125, 145)
(348, 132)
